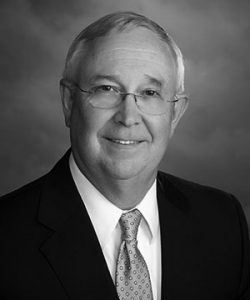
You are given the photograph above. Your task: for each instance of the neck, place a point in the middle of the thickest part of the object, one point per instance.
(126, 194)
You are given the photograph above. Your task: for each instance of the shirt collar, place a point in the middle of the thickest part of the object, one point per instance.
(102, 211)
(149, 209)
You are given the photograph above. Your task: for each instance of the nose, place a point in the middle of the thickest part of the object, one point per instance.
(128, 113)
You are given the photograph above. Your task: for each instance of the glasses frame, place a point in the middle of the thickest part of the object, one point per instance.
(123, 95)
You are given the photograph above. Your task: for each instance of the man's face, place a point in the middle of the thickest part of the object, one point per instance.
(122, 142)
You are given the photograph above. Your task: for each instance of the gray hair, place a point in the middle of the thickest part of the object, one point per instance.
(121, 21)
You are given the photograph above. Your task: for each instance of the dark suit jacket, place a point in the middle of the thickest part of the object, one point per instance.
(49, 249)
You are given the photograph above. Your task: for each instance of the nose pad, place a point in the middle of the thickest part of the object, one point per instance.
(128, 113)
(130, 94)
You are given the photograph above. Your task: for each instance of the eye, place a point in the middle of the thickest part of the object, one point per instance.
(103, 89)
(150, 93)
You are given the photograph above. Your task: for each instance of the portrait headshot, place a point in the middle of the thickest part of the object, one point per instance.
(124, 154)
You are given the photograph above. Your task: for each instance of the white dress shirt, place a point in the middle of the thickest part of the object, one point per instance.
(102, 211)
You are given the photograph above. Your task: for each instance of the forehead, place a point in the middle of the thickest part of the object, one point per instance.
(138, 49)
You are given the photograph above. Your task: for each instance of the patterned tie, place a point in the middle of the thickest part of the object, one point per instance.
(132, 276)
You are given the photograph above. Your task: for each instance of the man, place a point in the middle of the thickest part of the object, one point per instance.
(104, 223)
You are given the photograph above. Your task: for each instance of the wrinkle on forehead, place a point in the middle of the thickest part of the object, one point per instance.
(126, 49)
(135, 58)
(131, 52)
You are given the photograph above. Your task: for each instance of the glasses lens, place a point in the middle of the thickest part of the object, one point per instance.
(104, 98)
(152, 105)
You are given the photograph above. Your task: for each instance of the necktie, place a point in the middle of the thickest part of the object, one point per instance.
(132, 276)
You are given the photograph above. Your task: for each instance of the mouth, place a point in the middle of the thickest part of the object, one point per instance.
(124, 142)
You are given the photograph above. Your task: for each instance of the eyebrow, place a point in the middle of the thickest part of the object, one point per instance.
(149, 78)
(102, 77)
(154, 80)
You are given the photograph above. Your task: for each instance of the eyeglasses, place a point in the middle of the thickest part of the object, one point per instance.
(148, 100)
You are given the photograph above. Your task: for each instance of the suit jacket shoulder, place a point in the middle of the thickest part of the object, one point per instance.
(198, 195)
(205, 229)
(22, 198)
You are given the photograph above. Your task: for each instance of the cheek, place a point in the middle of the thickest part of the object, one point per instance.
(87, 124)
(80, 126)
(160, 130)
(161, 136)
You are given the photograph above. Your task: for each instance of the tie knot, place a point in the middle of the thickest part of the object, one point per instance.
(129, 224)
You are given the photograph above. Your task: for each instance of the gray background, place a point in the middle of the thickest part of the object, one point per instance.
(212, 143)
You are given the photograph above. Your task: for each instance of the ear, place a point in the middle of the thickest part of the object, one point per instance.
(178, 111)
(67, 102)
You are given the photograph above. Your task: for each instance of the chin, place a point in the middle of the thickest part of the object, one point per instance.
(125, 170)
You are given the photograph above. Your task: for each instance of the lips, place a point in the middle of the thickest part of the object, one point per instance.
(124, 141)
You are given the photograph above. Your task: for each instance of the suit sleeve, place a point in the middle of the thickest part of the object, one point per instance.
(244, 290)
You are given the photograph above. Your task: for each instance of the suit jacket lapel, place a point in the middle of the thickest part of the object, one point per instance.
(72, 250)
(175, 227)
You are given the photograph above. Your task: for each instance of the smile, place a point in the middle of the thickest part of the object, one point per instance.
(124, 142)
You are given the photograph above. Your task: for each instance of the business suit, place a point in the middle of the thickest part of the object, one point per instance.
(49, 249)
